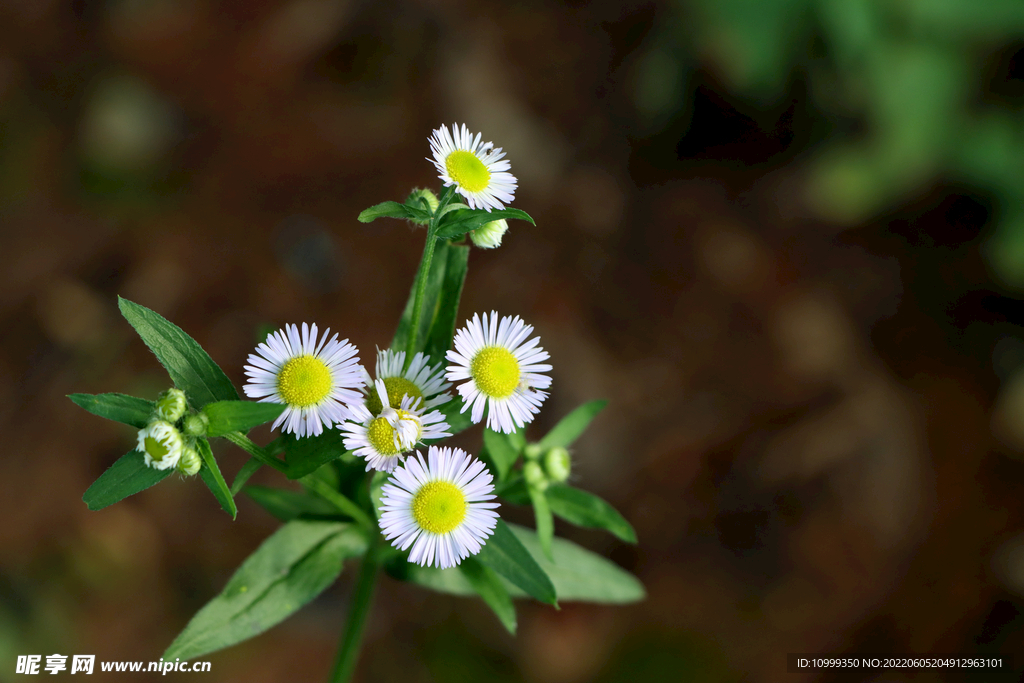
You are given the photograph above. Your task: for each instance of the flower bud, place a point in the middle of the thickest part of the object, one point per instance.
(427, 197)
(161, 444)
(488, 235)
(534, 474)
(190, 461)
(557, 464)
(533, 451)
(196, 424)
(171, 405)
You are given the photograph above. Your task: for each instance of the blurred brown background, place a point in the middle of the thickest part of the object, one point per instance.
(805, 388)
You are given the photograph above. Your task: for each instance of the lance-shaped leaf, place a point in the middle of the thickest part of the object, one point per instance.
(572, 425)
(129, 475)
(214, 480)
(501, 451)
(445, 311)
(305, 456)
(128, 410)
(289, 569)
(239, 416)
(492, 591)
(460, 222)
(545, 523)
(431, 296)
(578, 574)
(191, 369)
(505, 554)
(585, 509)
(393, 210)
(289, 505)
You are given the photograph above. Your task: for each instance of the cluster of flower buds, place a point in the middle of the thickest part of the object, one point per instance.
(543, 467)
(162, 444)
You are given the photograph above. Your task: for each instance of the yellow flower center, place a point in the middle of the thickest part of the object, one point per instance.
(397, 387)
(304, 381)
(495, 371)
(466, 169)
(156, 449)
(381, 434)
(439, 507)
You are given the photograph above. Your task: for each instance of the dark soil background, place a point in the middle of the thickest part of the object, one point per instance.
(800, 423)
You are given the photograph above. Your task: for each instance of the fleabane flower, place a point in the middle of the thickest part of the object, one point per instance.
(502, 369)
(382, 438)
(315, 380)
(442, 507)
(161, 444)
(422, 382)
(478, 170)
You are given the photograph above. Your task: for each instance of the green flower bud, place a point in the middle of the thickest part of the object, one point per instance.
(161, 444)
(196, 424)
(488, 235)
(171, 405)
(534, 474)
(190, 461)
(557, 464)
(533, 451)
(420, 196)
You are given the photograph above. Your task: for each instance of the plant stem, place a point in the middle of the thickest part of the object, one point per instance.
(423, 273)
(247, 445)
(362, 596)
(339, 500)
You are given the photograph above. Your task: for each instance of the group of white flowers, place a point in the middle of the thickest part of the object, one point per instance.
(442, 506)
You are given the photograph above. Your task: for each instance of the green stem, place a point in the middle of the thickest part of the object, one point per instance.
(248, 469)
(424, 273)
(359, 609)
(338, 500)
(247, 445)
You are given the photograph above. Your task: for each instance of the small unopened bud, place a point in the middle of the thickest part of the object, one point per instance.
(534, 474)
(196, 424)
(190, 461)
(533, 451)
(488, 235)
(161, 444)
(171, 405)
(418, 198)
(557, 464)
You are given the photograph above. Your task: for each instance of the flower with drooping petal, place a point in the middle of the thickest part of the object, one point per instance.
(502, 369)
(422, 382)
(384, 437)
(443, 507)
(315, 380)
(478, 170)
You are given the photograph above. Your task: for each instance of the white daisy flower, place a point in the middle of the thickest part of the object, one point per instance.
(476, 168)
(314, 380)
(422, 382)
(502, 369)
(382, 438)
(440, 507)
(161, 445)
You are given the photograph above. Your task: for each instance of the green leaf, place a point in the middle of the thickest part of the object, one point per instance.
(239, 416)
(392, 210)
(289, 505)
(442, 327)
(572, 425)
(129, 475)
(577, 574)
(214, 480)
(136, 412)
(501, 451)
(545, 523)
(489, 587)
(306, 455)
(431, 294)
(191, 369)
(581, 575)
(585, 509)
(251, 466)
(289, 569)
(377, 482)
(505, 554)
(458, 223)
